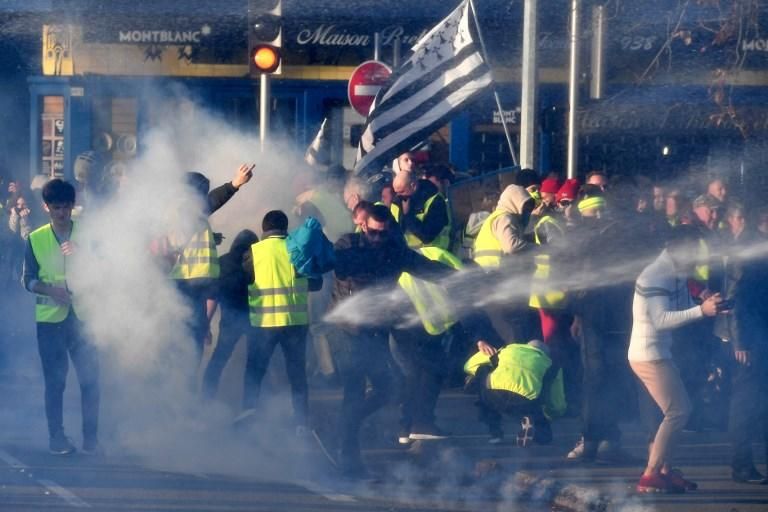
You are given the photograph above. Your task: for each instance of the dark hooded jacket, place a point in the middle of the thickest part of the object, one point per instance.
(745, 284)
(232, 285)
(360, 266)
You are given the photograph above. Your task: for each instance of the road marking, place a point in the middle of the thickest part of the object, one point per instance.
(326, 493)
(50, 485)
(11, 461)
(64, 494)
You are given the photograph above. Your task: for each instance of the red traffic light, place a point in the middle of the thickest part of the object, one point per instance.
(265, 58)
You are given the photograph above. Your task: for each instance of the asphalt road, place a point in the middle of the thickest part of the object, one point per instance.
(178, 459)
(440, 475)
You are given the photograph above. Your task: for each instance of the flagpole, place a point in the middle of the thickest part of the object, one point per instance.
(495, 93)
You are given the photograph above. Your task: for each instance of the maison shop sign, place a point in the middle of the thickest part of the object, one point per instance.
(329, 34)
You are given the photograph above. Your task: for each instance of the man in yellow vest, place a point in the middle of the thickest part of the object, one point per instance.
(196, 260)
(278, 302)
(59, 331)
(421, 212)
(419, 352)
(500, 249)
(518, 379)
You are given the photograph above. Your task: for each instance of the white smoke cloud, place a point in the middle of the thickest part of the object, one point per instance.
(133, 311)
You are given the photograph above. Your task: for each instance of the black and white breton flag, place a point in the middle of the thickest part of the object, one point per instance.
(445, 71)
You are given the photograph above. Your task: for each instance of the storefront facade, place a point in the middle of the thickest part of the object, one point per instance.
(99, 74)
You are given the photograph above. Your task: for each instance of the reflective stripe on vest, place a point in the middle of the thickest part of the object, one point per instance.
(487, 249)
(442, 240)
(541, 294)
(199, 258)
(52, 271)
(276, 298)
(429, 299)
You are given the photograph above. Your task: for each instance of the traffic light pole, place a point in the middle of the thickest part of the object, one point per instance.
(264, 108)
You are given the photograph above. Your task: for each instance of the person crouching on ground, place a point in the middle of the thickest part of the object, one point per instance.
(518, 379)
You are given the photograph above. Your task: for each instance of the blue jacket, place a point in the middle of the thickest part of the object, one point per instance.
(310, 251)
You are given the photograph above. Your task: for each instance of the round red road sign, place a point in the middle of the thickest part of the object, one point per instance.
(365, 82)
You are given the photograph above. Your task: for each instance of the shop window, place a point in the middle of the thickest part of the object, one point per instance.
(114, 124)
(52, 137)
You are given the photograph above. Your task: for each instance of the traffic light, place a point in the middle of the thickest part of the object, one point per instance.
(265, 37)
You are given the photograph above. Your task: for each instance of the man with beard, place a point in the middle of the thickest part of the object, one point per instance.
(376, 257)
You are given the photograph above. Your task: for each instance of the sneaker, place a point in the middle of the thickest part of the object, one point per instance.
(582, 452)
(60, 444)
(427, 433)
(658, 484)
(749, 476)
(404, 437)
(527, 432)
(676, 477)
(92, 448)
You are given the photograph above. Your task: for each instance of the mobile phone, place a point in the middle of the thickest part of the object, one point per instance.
(726, 305)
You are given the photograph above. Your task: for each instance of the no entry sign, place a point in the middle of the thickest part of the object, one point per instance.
(365, 82)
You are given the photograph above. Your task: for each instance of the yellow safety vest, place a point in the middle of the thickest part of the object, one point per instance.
(442, 240)
(521, 370)
(541, 294)
(199, 258)
(277, 297)
(487, 250)
(52, 263)
(429, 299)
(701, 272)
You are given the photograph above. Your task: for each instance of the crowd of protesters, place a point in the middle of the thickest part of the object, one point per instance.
(603, 293)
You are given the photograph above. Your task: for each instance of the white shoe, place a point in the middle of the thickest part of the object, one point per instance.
(578, 450)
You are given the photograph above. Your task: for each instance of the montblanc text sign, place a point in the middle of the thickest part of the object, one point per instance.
(161, 36)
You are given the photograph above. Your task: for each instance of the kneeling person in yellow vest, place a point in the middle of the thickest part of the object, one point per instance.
(196, 267)
(278, 299)
(59, 331)
(517, 380)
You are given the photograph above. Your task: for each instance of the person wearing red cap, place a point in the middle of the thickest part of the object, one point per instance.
(565, 198)
(548, 231)
(549, 188)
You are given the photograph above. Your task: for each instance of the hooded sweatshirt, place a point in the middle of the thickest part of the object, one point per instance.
(232, 285)
(509, 229)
